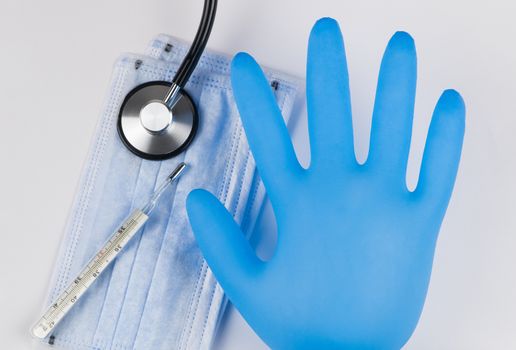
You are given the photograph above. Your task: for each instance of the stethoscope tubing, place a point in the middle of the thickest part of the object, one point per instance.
(163, 104)
(201, 39)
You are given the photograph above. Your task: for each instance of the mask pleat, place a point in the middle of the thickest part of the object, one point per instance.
(159, 292)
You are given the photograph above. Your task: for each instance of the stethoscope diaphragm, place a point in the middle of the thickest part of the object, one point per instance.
(151, 129)
(158, 120)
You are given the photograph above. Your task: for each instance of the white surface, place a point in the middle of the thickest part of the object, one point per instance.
(56, 61)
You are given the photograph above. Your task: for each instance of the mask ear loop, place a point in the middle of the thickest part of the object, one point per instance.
(194, 54)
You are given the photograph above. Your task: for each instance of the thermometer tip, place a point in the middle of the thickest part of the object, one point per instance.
(38, 332)
(177, 172)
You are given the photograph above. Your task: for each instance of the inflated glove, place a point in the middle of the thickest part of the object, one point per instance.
(355, 246)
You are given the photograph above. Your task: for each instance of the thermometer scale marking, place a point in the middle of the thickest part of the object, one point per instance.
(89, 274)
(116, 243)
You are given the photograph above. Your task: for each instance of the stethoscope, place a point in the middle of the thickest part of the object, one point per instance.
(158, 120)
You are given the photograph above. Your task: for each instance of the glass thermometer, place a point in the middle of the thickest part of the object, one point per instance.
(100, 261)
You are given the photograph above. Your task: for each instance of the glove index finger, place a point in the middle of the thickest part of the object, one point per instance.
(264, 126)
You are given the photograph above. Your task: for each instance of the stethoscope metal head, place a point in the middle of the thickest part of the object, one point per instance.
(153, 129)
(158, 120)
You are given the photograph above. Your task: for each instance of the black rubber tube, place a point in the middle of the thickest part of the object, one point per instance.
(201, 39)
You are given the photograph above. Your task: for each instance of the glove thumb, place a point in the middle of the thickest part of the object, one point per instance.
(224, 246)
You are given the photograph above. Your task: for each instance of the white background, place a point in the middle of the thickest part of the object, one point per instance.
(55, 62)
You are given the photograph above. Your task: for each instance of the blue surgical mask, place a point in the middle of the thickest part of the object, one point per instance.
(159, 293)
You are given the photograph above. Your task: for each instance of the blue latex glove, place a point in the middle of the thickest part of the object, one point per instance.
(355, 246)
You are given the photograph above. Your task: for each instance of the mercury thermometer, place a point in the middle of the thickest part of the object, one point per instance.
(100, 261)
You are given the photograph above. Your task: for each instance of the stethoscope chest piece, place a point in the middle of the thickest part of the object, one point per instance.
(150, 128)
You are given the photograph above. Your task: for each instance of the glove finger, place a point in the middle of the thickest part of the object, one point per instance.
(328, 99)
(394, 107)
(264, 126)
(224, 246)
(442, 150)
